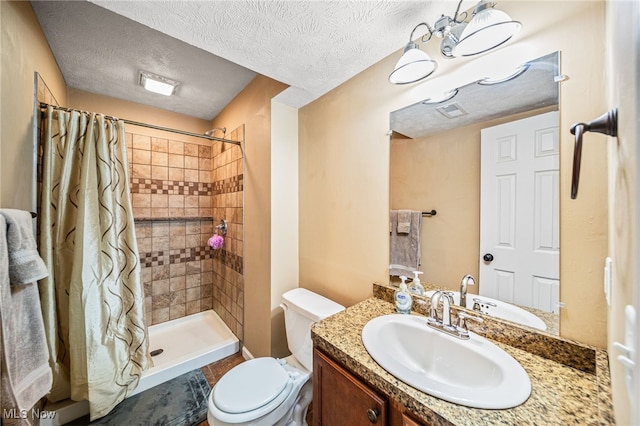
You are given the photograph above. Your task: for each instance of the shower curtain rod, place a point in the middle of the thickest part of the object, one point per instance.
(152, 126)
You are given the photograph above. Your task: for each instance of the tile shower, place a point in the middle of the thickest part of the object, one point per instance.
(180, 191)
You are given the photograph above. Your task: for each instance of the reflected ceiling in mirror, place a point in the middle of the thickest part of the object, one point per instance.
(483, 100)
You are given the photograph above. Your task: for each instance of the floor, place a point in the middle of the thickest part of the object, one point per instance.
(213, 372)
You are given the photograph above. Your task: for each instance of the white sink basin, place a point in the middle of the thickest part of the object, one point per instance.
(475, 372)
(502, 310)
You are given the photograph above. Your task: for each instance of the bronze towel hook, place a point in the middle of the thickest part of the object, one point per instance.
(606, 124)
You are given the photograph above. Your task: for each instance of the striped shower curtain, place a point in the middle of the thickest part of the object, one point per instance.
(92, 301)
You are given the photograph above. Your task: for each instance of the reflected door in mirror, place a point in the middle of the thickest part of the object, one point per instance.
(519, 213)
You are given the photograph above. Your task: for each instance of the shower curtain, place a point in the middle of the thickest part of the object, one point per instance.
(92, 301)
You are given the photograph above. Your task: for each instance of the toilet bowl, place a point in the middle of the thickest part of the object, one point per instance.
(261, 391)
(268, 391)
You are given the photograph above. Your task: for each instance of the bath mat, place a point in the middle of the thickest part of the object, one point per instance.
(179, 402)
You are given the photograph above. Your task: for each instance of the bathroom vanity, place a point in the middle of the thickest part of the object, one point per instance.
(570, 382)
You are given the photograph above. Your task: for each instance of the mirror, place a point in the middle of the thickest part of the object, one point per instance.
(435, 165)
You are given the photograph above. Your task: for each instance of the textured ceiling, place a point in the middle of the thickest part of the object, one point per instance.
(215, 47)
(535, 88)
(101, 52)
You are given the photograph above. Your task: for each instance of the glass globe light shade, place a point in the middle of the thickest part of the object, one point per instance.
(488, 29)
(414, 65)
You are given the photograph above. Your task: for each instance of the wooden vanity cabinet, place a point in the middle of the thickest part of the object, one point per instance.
(340, 398)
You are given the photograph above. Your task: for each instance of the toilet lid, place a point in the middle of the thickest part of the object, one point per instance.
(250, 385)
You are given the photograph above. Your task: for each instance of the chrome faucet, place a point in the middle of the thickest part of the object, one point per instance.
(447, 301)
(460, 331)
(467, 280)
(433, 307)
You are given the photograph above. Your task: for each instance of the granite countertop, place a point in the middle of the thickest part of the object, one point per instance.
(561, 394)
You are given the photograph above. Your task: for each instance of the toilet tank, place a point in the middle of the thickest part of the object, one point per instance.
(302, 308)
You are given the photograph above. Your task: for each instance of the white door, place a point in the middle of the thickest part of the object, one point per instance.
(623, 61)
(519, 212)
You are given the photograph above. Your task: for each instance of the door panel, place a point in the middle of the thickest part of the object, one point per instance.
(520, 212)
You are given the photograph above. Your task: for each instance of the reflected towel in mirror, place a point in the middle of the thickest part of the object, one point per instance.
(404, 221)
(404, 250)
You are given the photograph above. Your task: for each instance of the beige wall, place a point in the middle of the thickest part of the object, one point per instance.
(252, 107)
(448, 180)
(284, 216)
(344, 166)
(87, 101)
(24, 51)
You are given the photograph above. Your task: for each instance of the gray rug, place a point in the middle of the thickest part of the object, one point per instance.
(178, 402)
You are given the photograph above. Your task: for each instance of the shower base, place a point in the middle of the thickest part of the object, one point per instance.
(187, 343)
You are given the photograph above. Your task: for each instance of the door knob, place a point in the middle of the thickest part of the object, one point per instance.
(372, 414)
(488, 257)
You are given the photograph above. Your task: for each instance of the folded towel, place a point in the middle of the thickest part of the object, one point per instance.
(25, 264)
(24, 365)
(404, 221)
(404, 249)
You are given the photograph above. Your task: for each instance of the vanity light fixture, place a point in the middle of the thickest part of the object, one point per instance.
(487, 29)
(158, 84)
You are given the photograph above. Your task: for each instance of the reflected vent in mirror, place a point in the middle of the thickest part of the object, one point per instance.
(452, 110)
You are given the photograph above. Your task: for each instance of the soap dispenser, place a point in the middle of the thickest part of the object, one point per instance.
(416, 286)
(402, 298)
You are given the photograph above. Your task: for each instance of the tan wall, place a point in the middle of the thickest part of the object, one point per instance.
(447, 178)
(87, 101)
(24, 51)
(284, 217)
(252, 107)
(344, 167)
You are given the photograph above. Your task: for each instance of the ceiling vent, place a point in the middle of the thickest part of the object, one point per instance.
(452, 110)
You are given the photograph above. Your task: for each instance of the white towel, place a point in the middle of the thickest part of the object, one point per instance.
(26, 375)
(25, 264)
(404, 249)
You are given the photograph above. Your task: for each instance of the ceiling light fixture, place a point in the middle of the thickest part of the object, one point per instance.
(158, 84)
(487, 29)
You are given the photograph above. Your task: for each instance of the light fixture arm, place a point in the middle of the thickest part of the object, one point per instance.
(455, 15)
(429, 29)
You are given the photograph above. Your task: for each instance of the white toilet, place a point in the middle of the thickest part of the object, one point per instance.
(270, 391)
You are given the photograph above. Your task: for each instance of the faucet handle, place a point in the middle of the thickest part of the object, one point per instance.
(462, 326)
(477, 304)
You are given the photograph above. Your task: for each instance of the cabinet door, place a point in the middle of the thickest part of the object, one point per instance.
(339, 398)
(408, 421)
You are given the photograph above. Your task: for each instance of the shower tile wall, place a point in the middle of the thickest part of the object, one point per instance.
(228, 185)
(174, 188)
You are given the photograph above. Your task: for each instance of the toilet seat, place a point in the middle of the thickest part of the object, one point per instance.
(250, 390)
